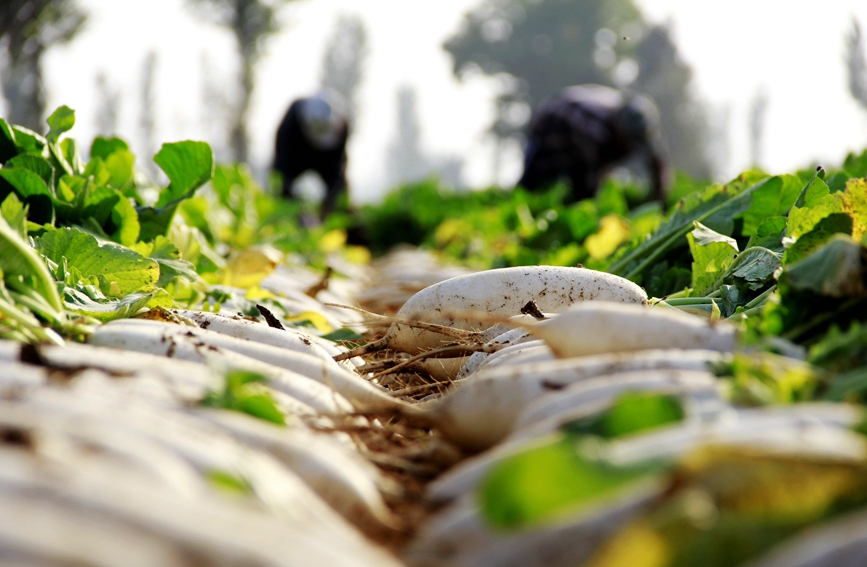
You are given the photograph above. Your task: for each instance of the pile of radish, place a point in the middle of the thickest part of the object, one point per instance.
(109, 456)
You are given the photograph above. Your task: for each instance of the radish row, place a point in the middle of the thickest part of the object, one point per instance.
(109, 442)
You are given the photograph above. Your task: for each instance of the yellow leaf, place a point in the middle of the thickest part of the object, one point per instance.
(316, 319)
(613, 231)
(637, 545)
(332, 241)
(255, 293)
(357, 254)
(248, 268)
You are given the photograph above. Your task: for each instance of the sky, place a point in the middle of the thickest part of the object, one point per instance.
(737, 50)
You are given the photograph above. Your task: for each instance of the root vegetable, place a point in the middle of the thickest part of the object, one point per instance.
(199, 344)
(598, 327)
(481, 411)
(289, 339)
(457, 301)
(161, 340)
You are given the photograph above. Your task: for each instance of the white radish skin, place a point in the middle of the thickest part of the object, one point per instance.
(505, 340)
(156, 339)
(460, 535)
(222, 331)
(534, 351)
(577, 399)
(342, 478)
(123, 334)
(212, 528)
(701, 412)
(188, 380)
(817, 430)
(208, 447)
(599, 327)
(503, 292)
(481, 411)
(240, 328)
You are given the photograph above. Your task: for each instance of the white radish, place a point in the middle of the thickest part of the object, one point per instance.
(199, 344)
(503, 341)
(342, 478)
(201, 442)
(502, 292)
(599, 327)
(552, 411)
(163, 341)
(481, 411)
(461, 535)
(534, 351)
(188, 380)
(238, 335)
(817, 429)
(213, 529)
(241, 328)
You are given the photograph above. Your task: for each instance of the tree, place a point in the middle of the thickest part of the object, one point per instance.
(343, 64)
(857, 65)
(28, 28)
(251, 22)
(758, 110)
(108, 106)
(537, 47)
(405, 161)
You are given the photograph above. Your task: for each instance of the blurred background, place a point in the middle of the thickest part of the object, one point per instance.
(442, 88)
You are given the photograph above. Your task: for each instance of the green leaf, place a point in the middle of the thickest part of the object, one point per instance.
(547, 481)
(240, 394)
(757, 266)
(120, 270)
(633, 412)
(229, 482)
(15, 213)
(806, 244)
(819, 202)
(28, 141)
(836, 269)
(125, 218)
(17, 258)
(855, 203)
(769, 234)
(60, 121)
(856, 165)
(38, 165)
(188, 165)
(261, 406)
(772, 199)
(102, 147)
(25, 181)
(72, 155)
(712, 253)
(155, 221)
(108, 309)
(8, 145)
(97, 169)
(117, 158)
(344, 334)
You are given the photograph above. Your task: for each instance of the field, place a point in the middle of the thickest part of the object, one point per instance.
(194, 373)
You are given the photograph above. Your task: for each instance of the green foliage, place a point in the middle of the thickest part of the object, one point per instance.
(633, 412)
(565, 472)
(239, 393)
(726, 505)
(550, 480)
(118, 270)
